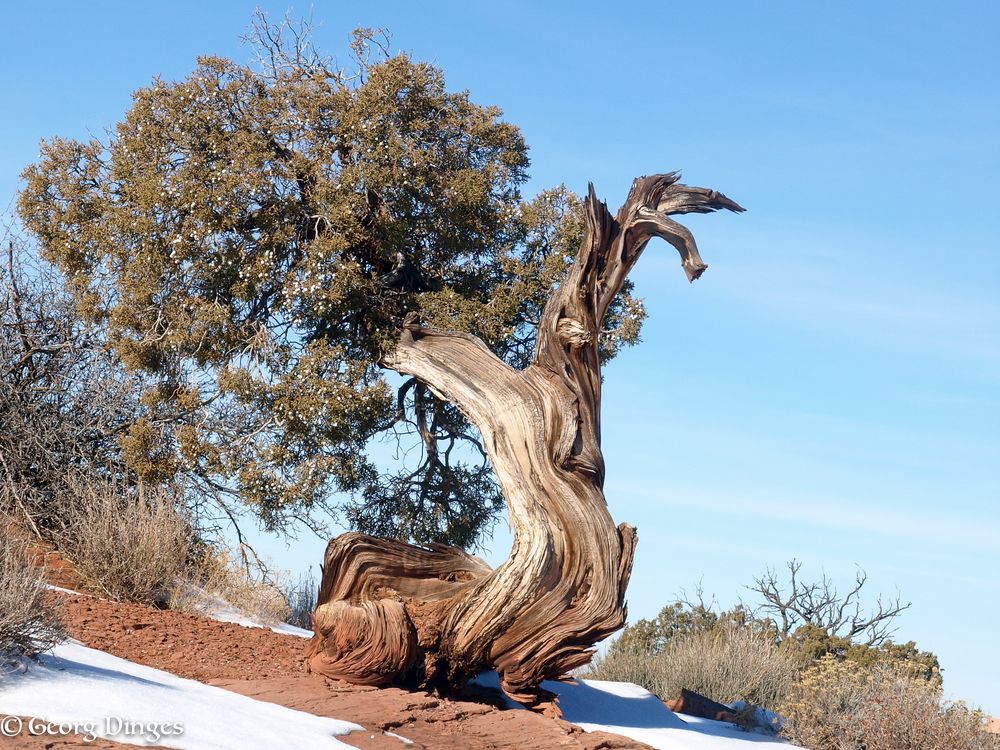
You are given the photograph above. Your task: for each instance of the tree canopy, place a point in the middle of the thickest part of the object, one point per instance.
(252, 237)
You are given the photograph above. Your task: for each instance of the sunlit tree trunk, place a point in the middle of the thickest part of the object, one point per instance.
(390, 611)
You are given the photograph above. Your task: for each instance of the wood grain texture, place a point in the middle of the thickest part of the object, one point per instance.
(433, 616)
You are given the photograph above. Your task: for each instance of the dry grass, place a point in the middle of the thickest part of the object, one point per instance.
(29, 620)
(219, 577)
(135, 546)
(628, 665)
(843, 706)
(132, 544)
(725, 664)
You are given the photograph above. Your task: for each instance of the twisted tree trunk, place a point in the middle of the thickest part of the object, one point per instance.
(390, 611)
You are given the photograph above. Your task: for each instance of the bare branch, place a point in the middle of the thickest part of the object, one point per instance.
(819, 603)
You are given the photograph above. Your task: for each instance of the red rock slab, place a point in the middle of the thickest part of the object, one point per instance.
(429, 722)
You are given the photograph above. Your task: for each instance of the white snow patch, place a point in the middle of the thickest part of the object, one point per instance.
(284, 627)
(627, 709)
(50, 587)
(632, 711)
(215, 607)
(93, 689)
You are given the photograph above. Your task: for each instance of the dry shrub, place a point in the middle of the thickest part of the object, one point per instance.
(840, 705)
(730, 663)
(29, 620)
(132, 543)
(218, 578)
(64, 396)
(727, 663)
(301, 597)
(628, 664)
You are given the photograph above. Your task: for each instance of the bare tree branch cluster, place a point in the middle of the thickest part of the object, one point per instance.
(796, 602)
(64, 401)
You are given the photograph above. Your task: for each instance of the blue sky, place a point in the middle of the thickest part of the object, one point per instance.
(829, 389)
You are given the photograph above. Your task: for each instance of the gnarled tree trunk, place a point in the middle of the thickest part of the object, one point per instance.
(390, 611)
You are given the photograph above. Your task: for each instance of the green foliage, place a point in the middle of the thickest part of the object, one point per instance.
(251, 237)
(679, 620)
(810, 643)
(723, 654)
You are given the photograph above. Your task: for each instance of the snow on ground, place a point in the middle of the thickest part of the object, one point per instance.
(632, 711)
(98, 692)
(224, 612)
(50, 587)
(624, 708)
(217, 608)
(284, 627)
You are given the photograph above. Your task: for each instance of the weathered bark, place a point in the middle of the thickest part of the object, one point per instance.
(390, 611)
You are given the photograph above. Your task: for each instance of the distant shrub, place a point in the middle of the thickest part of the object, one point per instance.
(676, 620)
(842, 705)
(131, 543)
(301, 597)
(628, 664)
(730, 663)
(726, 663)
(29, 621)
(755, 653)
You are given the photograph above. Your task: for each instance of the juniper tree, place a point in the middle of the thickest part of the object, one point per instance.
(244, 234)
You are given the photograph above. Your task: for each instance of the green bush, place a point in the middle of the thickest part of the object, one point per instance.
(810, 643)
(757, 655)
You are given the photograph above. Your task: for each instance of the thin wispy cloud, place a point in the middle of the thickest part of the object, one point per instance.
(822, 512)
(963, 324)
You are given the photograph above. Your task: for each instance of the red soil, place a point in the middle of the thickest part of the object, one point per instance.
(189, 646)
